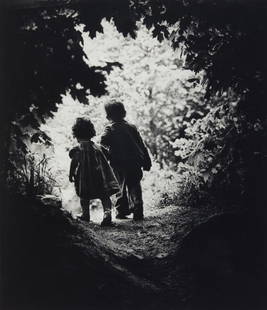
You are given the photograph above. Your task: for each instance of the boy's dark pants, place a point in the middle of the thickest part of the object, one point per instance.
(129, 180)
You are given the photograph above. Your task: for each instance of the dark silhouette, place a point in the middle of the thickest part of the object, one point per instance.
(90, 171)
(128, 154)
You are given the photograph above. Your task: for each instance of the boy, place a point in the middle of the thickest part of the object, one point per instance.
(127, 154)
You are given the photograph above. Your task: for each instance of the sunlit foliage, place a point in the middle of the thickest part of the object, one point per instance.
(224, 41)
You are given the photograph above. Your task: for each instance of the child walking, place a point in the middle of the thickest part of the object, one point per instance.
(90, 171)
(128, 155)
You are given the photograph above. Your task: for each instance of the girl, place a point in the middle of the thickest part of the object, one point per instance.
(90, 171)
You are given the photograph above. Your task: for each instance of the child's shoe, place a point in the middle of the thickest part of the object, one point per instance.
(107, 219)
(85, 211)
(106, 222)
(84, 217)
(121, 217)
(138, 217)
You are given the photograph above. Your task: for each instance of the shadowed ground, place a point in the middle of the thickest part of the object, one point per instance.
(168, 261)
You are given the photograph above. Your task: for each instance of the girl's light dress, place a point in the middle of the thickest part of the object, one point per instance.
(94, 177)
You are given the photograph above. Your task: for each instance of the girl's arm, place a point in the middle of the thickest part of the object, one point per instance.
(74, 155)
(73, 166)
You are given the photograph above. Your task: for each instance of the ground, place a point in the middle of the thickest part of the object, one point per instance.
(149, 247)
(176, 258)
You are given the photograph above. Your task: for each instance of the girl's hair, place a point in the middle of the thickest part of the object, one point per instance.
(83, 129)
(115, 111)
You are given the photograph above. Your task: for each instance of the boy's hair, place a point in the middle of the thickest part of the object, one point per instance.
(83, 128)
(115, 110)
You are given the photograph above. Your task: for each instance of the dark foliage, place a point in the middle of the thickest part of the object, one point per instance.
(46, 61)
(43, 59)
(45, 56)
(227, 39)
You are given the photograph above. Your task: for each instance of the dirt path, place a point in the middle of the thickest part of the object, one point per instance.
(154, 237)
(150, 238)
(133, 265)
(148, 247)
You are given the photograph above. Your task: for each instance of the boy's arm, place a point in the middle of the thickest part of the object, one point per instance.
(105, 138)
(147, 160)
(105, 141)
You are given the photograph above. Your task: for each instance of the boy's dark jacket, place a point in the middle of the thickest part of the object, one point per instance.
(125, 146)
